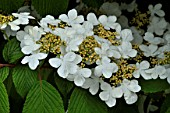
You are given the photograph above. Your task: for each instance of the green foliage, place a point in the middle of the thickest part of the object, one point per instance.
(152, 86)
(93, 3)
(43, 98)
(165, 104)
(4, 72)
(82, 101)
(168, 111)
(12, 51)
(10, 5)
(23, 79)
(4, 102)
(65, 87)
(50, 7)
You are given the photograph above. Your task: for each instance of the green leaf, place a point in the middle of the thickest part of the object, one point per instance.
(23, 79)
(4, 103)
(10, 5)
(12, 51)
(63, 85)
(165, 104)
(168, 111)
(4, 72)
(43, 98)
(82, 101)
(50, 7)
(93, 3)
(152, 86)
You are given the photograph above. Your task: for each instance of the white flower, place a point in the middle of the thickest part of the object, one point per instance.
(110, 9)
(140, 70)
(109, 94)
(151, 39)
(65, 34)
(72, 18)
(107, 22)
(105, 67)
(156, 10)
(129, 7)
(15, 25)
(126, 35)
(23, 17)
(123, 20)
(9, 32)
(157, 26)
(44, 22)
(168, 74)
(79, 76)
(93, 84)
(150, 50)
(67, 64)
(137, 34)
(126, 50)
(29, 40)
(129, 88)
(33, 59)
(157, 71)
(107, 50)
(91, 17)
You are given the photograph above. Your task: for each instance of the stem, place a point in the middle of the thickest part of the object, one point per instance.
(5, 34)
(6, 65)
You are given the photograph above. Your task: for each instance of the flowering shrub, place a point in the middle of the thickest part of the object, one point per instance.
(105, 52)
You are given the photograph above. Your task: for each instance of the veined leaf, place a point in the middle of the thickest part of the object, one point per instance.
(4, 103)
(152, 86)
(43, 98)
(24, 78)
(82, 101)
(10, 5)
(12, 51)
(4, 72)
(50, 7)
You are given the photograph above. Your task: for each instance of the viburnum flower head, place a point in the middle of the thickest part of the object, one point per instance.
(66, 64)
(72, 18)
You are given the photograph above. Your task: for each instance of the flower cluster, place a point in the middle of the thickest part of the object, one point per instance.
(98, 53)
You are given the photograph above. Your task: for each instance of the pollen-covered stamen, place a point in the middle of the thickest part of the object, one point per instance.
(106, 34)
(6, 19)
(125, 71)
(50, 43)
(140, 19)
(86, 50)
(165, 60)
(62, 25)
